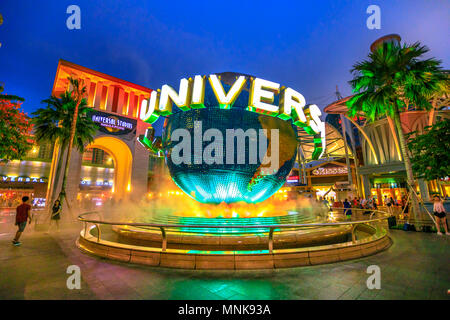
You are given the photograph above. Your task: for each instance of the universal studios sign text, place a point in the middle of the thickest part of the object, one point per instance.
(191, 95)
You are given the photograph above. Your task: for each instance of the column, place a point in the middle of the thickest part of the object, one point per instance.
(355, 156)
(347, 160)
(379, 197)
(126, 102)
(110, 98)
(120, 100)
(139, 102)
(423, 190)
(98, 95)
(104, 97)
(87, 84)
(139, 173)
(301, 163)
(132, 104)
(91, 95)
(366, 186)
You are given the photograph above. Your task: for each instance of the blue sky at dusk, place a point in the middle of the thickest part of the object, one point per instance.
(307, 45)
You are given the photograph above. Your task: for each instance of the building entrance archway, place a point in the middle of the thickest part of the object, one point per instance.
(115, 109)
(123, 160)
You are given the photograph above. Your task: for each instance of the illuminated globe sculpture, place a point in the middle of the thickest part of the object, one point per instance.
(217, 183)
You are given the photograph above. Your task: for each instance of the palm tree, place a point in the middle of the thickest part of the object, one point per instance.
(77, 94)
(56, 121)
(393, 78)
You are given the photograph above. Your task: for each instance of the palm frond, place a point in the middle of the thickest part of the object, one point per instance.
(392, 76)
(54, 121)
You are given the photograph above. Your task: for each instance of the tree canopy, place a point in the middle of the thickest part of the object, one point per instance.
(394, 78)
(54, 121)
(431, 151)
(15, 129)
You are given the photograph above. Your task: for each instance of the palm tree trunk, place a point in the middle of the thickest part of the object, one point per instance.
(56, 173)
(60, 160)
(62, 194)
(432, 112)
(407, 162)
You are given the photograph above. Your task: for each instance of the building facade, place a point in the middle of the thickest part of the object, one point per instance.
(27, 177)
(114, 166)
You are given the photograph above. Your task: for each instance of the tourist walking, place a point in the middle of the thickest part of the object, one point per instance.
(326, 203)
(440, 215)
(23, 213)
(374, 203)
(347, 209)
(56, 215)
(388, 204)
(368, 205)
(393, 205)
(337, 205)
(363, 205)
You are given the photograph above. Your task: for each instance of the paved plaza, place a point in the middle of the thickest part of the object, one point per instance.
(416, 266)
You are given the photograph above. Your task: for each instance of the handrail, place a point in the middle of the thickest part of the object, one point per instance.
(158, 225)
(270, 227)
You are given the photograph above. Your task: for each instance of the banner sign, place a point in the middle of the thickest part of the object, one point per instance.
(23, 179)
(111, 123)
(329, 171)
(292, 179)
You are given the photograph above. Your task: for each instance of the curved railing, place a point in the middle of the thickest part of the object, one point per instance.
(271, 228)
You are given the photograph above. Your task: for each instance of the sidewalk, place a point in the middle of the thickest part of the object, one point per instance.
(415, 267)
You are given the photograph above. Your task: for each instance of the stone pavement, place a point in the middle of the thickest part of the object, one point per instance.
(415, 267)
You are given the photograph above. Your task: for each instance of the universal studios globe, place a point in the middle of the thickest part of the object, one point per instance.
(225, 182)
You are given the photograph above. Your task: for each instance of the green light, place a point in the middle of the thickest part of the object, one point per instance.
(229, 252)
(166, 216)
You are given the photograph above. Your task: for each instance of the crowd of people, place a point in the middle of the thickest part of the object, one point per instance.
(369, 204)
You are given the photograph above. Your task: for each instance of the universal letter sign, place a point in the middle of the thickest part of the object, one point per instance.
(191, 95)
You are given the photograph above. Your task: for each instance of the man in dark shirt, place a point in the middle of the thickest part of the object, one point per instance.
(348, 210)
(22, 215)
